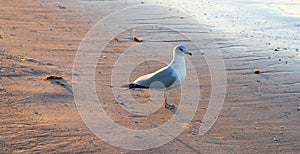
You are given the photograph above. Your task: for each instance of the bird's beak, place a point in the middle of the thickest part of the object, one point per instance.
(189, 53)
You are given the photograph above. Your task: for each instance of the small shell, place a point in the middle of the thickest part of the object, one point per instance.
(256, 71)
(137, 39)
(52, 77)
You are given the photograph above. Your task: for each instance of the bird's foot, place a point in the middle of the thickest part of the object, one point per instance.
(170, 106)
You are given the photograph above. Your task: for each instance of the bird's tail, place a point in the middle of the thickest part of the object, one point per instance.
(132, 86)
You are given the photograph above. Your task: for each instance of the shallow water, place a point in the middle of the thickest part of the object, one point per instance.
(265, 20)
(258, 25)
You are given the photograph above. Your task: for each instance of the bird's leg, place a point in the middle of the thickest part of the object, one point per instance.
(168, 106)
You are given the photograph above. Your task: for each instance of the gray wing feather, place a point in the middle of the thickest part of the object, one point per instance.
(164, 78)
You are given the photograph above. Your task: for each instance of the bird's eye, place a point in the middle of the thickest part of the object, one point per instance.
(180, 49)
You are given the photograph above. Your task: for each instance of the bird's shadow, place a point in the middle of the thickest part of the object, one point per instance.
(61, 82)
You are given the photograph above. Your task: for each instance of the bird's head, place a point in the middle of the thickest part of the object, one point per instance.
(182, 50)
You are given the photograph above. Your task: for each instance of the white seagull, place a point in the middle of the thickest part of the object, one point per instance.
(169, 77)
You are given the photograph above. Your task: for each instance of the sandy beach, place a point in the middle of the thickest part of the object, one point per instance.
(260, 113)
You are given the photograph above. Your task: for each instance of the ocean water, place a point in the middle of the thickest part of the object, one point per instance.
(267, 21)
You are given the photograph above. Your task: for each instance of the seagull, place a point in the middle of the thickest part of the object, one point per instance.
(168, 77)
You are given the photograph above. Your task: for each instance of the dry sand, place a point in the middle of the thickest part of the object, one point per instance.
(38, 38)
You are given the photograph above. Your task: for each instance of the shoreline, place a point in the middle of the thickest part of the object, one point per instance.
(260, 113)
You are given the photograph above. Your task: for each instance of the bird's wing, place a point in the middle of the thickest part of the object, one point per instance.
(162, 78)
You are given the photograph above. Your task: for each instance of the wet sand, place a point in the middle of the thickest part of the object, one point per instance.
(260, 113)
